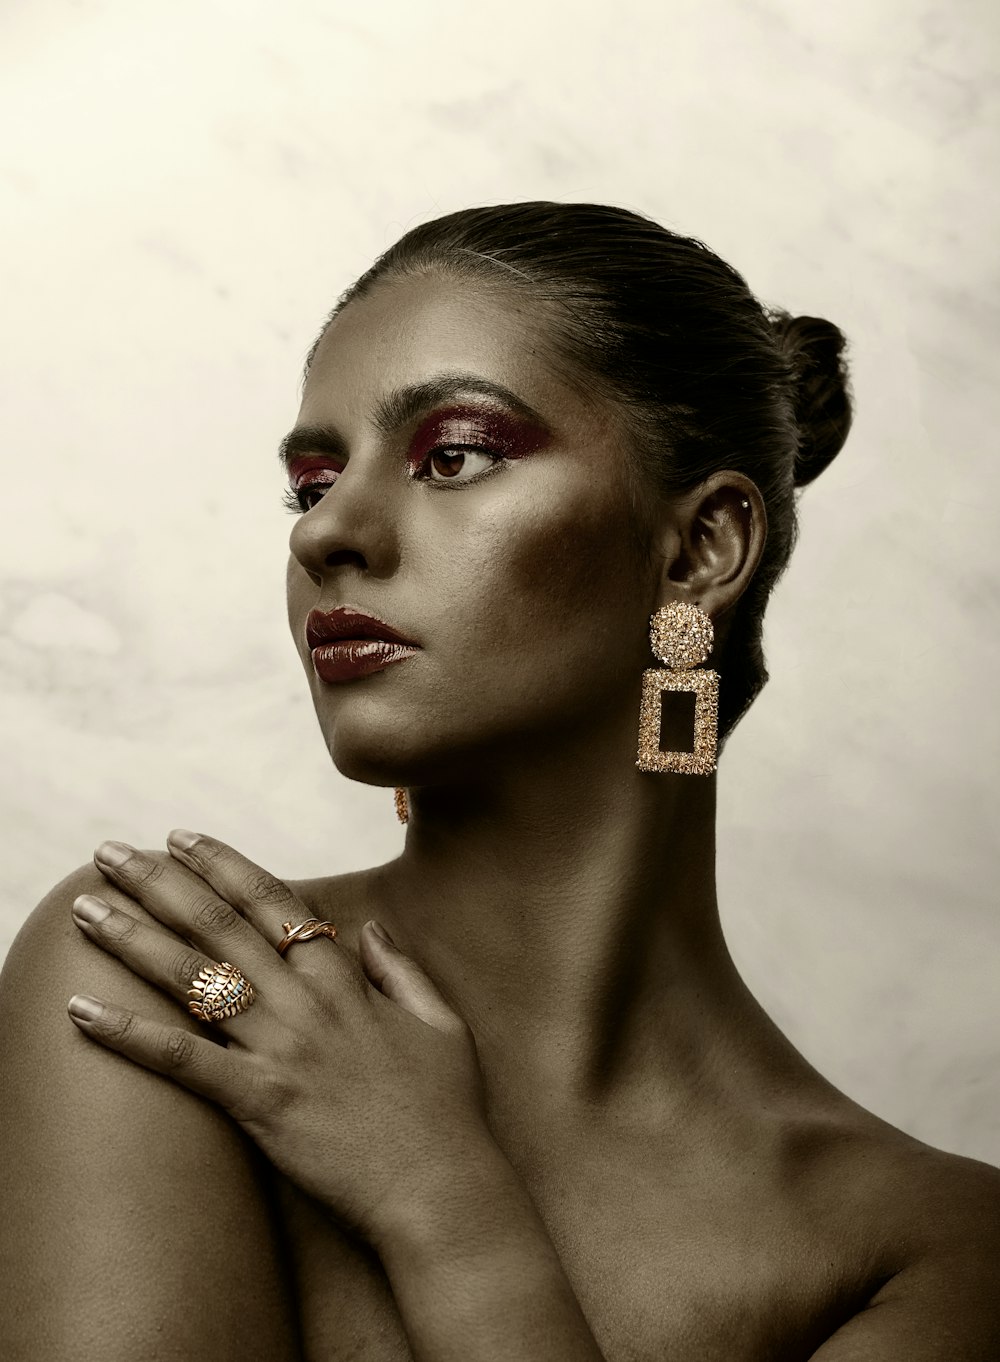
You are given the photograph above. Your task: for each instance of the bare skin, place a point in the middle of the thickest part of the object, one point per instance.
(767, 1217)
(709, 1194)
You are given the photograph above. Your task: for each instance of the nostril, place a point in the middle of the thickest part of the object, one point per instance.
(345, 557)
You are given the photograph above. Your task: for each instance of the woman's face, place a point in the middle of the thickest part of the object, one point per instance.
(470, 498)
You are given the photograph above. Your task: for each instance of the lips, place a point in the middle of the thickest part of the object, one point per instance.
(333, 626)
(347, 643)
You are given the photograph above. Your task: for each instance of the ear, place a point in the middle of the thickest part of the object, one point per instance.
(713, 542)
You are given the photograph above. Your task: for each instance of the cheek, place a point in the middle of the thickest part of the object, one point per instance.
(559, 567)
(564, 587)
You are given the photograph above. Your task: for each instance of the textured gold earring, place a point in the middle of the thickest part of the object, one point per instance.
(402, 806)
(681, 635)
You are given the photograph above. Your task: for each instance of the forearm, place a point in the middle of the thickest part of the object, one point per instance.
(476, 1277)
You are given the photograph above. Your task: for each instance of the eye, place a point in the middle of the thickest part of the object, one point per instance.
(450, 463)
(444, 465)
(303, 495)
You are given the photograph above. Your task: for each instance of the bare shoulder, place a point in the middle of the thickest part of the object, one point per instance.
(951, 1205)
(944, 1300)
(923, 1227)
(933, 1200)
(116, 1183)
(50, 954)
(878, 1175)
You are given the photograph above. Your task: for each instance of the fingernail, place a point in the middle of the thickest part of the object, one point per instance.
(87, 1009)
(113, 853)
(379, 930)
(89, 908)
(182, 839)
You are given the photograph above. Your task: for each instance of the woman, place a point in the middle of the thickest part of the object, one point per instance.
(549, 1122)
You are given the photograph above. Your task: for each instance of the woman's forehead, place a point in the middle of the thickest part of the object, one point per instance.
(406, 331)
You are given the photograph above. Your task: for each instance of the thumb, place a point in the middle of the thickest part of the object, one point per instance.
(404, 981)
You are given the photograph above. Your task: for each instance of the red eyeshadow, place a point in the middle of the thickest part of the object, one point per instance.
(305, 464)
(487, 427)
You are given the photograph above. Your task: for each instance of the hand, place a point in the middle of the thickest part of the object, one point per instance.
(363, 1088)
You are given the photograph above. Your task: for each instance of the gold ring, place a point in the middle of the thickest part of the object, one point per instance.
(305, 931)
(218, 992)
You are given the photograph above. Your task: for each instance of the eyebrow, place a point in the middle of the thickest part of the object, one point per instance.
(401, 406)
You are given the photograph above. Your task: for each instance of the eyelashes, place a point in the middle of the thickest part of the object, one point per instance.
(292, 500)
(297, 499)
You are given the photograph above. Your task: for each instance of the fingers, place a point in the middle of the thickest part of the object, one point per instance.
(261, 898)
(222, 1075)
(147, 951)
(258, 894)
(181, 900)
(403, 981)
(227, 905)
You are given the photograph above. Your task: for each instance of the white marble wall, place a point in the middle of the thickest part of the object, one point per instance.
(185, 188)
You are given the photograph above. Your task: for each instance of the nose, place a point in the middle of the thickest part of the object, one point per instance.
(352, 523)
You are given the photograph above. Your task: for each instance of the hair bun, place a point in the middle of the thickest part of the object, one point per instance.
(814, 349)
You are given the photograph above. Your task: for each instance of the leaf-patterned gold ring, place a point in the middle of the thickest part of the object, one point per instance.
(218, 992)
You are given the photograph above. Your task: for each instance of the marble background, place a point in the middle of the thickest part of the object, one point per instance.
(184, 190)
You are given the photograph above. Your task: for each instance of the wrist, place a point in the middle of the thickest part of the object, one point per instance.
(451, 1207)
(475, 1274)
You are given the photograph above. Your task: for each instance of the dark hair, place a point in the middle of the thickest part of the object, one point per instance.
(705, 375)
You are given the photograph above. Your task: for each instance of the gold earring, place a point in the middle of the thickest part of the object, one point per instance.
(681, 635)
(402, 805)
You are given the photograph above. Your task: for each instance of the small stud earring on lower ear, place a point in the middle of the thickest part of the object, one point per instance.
(402, 805)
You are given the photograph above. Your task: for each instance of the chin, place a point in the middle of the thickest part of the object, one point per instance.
(368, 747)
(373, 748)
(365, 768)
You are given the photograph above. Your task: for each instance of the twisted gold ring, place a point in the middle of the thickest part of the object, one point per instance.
(218, 992)
(305, 931)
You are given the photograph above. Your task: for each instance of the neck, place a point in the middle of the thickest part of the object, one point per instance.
(569, 914)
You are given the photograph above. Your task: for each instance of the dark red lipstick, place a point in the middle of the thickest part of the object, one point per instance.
(347, 643)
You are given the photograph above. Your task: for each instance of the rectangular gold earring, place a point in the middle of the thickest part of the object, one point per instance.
(705, 685)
